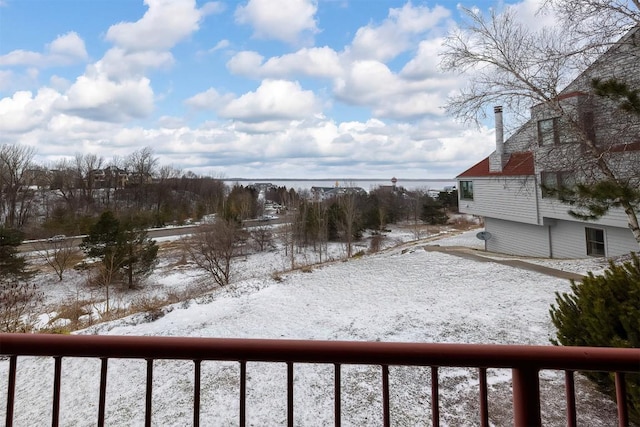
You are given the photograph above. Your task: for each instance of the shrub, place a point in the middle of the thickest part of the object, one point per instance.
(604, 311)
(375, 243)
(17, 303)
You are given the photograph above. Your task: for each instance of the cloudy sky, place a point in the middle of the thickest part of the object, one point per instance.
(252, 89)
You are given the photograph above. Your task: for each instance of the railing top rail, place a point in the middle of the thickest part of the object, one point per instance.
(312, 351)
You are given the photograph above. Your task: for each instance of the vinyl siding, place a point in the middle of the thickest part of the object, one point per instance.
(524, 139)
(568, 240)
(620, 241)
(517, 238)
(507, 198)
(553, 208)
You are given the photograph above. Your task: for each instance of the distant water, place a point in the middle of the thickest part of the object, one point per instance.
(366, 184)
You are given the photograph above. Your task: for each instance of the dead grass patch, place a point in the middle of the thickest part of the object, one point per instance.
(464, 223)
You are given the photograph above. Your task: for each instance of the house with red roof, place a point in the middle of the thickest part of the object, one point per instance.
(509, 189)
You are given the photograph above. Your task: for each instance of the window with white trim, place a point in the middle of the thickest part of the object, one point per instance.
(466, 190)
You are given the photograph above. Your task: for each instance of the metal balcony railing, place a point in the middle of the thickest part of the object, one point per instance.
(524, 361)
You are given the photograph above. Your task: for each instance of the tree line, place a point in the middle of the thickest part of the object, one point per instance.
(84, 197)
(67, 196)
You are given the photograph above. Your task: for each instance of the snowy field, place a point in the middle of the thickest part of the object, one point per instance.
(403, 293)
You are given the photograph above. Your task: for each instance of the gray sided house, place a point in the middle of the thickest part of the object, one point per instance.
(508, 188)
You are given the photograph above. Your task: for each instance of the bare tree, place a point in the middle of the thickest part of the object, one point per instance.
(105, 274)
(163, 190)
(213, 247)
(288, 231)
(16, 198)
(595, 23)
(115, 178)
(88, 168)
(242, 203)
(350, 215)
(64, 180)
(212, 192)
(507, 65)
(142, 165)
(512, 65)
(322, 230)
(262, 235)
(58, 253)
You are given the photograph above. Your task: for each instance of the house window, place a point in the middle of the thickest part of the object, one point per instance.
(548, 132)
(595, 241)
(554, 182)
(466, 190)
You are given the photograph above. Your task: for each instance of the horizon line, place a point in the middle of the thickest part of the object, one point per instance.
(337, 179)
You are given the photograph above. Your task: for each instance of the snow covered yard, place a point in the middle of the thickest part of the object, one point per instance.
(401, 294)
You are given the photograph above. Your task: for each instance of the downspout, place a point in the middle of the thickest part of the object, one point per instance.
(550, 245)
(538, 217)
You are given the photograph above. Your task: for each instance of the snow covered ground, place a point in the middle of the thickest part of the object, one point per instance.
(403, 293)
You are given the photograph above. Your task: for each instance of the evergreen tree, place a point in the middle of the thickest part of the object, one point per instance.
(12, 265)
(628, 99)
(449, 200)
(140, 254)
(103, 236)
(125, 247)
(433, 212)
(603, 311)
(17, 296)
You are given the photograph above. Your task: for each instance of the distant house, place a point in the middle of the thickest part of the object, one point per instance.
(109, 177)
(507, 188)
(320, 194)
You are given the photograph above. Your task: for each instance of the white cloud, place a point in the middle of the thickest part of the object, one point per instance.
(425, 64)
(222, 44)
(373, 84)
(164, 24)
(245, 63)
(411, 105)
(21, 57)
(312, 146)
(6, 77)
(64, 50)
(24, 112)
(212, 8)
(59, 83)
(116, 88)
(286, 20)
(530, 14)
(119, 64)
(311, 62)
(322, 62)
(273, 100)
(69, 45)
(208, 100)
(95, 97)
(395, 34)
(365, 82)
(418, 89)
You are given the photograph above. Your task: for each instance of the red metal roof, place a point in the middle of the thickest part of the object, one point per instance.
(519, 164)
